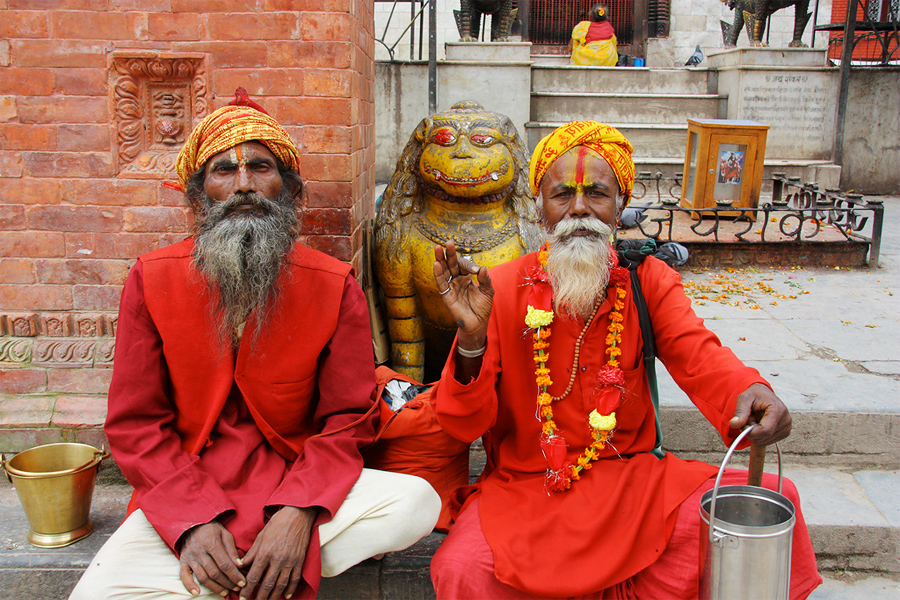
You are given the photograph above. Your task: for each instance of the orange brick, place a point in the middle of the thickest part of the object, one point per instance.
(110, 192)
(28, 82)
(333, 55)
(308, 5)
(80, 82)
(327, 139)
(23, 381)
(338, 247)
(16, 270)
(96, 297)
(327, 82)
(26, 190)
(153, 218)
(168, 197)
(249, 26)
(132, 245)
(79, 411)
(326, 167)
(62, 109)
(74, 218)
(4, 53)
(311, 111)
(211, 6)
(79, 381)
(141, 5)
(228, 55)
(324, 26)
(260, 83)
(59, 53)
(35, 297)
(12, 216)
(83, 138)
(15, 136)
(8, 109)
(11, 164)
(91, 245)
(24, 24)
(328, 194)
(32, 244)
(67, 164)
(92, 24)
(325, 221)
(55, 4)
(177, 26)
(88, 272)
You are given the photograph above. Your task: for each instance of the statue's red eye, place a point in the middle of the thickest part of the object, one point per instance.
(482, 140)
(444, 137)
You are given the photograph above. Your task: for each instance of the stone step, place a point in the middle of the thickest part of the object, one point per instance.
(649, 140)
(853, 519)
(611, 107)
(624, 80)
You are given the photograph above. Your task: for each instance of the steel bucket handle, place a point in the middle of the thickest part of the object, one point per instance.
(712, 505)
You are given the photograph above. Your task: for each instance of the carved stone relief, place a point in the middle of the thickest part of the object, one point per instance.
(57, 340)
(157, 101)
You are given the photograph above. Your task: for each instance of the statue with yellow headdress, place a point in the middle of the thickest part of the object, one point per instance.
(463, 177)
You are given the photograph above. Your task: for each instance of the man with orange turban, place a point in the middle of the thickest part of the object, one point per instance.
(243, 393)
(577, 498)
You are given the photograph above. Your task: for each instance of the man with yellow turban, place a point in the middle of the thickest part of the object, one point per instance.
(576, 498)
(243, 393)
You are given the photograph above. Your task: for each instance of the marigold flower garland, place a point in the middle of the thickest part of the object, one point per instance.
(610, 378)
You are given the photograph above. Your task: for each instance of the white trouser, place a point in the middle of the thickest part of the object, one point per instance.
(384, 512)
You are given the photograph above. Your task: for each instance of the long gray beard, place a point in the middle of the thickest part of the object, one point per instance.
(241, 254)
(578, 265)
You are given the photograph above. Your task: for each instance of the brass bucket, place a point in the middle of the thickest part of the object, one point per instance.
(55, 483)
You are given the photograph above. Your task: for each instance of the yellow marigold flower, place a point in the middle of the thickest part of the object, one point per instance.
(544, 399)
(602, 422)
(543, 381)
(538, 318)
(547, 412)
(540, 345)
(613, 363)
(541, 358)
(547, 428)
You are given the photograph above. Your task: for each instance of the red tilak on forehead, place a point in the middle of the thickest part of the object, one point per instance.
(579, 165)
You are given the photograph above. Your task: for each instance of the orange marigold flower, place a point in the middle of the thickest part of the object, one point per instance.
(617, 327)
(621, 293)
(617, 317)
(541, 334)
(547, 412)
(613, 363)
(541, 358)
(547, 428)
(544, 399)
(541, 345)
(613, 351)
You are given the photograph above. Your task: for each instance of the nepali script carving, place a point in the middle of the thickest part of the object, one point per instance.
(157, 101)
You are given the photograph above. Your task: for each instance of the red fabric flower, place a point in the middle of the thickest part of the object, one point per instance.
(607, 375)
(559, 480)
(607, 399)
(619, 276)
(541, 296)
(554, 449)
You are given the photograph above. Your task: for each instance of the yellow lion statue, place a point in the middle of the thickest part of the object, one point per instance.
(463, 177)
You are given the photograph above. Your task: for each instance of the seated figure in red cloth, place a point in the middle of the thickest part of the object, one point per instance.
(547, 368)
(243, 393)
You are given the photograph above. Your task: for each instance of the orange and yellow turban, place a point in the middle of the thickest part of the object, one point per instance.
(603, 139)
(240, 121)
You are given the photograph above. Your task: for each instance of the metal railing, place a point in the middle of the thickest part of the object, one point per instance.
(797, 212)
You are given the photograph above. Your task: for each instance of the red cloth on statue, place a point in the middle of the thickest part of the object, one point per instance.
(238, 474)
(463, 566)
(558, 544)
(599, 31)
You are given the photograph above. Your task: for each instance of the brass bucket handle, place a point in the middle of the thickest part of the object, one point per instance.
(712, 505)
(99, 456)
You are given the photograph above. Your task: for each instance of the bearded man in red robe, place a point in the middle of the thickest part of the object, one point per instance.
(547, 367)
(242, 394)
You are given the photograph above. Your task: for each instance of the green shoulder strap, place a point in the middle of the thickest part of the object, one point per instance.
(631, 254)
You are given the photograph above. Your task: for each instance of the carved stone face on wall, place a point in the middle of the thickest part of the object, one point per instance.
(466, 156)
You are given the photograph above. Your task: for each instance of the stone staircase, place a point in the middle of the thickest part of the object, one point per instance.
(650, 106)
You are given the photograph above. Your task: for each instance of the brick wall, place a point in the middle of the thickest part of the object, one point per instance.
(81, 191)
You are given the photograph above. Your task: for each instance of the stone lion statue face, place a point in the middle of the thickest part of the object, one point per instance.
(466, 155)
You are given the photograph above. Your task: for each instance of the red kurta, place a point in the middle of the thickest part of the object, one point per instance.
(238, 473)
(616, 519)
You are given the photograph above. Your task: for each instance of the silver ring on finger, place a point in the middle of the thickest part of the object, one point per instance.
(445, 291)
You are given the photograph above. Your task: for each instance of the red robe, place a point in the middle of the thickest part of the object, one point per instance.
(617, 518)
(203, 435)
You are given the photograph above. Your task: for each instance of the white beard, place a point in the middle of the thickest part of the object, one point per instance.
(578, 265)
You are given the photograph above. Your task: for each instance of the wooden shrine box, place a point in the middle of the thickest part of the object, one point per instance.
(723, 161)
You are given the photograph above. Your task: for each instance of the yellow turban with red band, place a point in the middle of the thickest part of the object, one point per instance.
(241, 121)
(603, 139)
